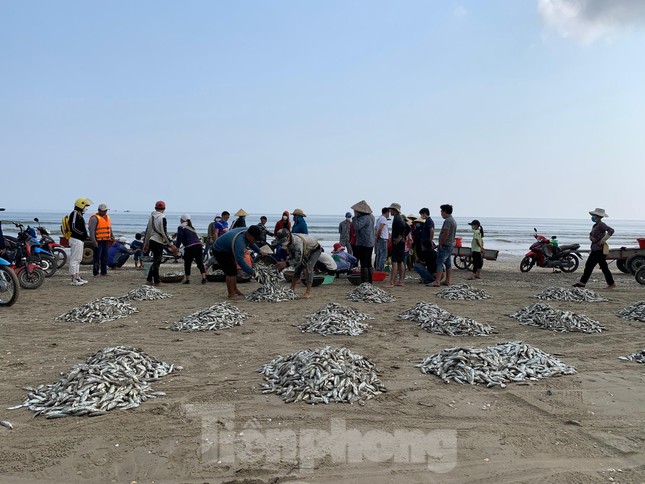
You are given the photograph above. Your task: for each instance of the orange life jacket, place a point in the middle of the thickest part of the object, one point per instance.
(102, 227)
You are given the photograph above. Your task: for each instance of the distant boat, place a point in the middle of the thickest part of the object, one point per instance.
(126, 210)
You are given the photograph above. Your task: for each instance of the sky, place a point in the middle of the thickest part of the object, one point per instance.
(501, 108)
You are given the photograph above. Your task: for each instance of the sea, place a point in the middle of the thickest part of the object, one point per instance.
(511, 236)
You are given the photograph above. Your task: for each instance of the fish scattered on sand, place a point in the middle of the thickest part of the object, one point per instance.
(494, 365)
(334, 319)
(635, 312)
(434, 319)
(322, 375)
(638, 357)
(463, 292)
(366, 292)
(574, 294)
(218, 316)
(546, 317)
(6, 424)
(101, 310)
(113, 378)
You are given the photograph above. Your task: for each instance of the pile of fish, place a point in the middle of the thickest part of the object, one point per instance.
(145, 293)
(545, 317)
(271, 290)
(366, 292)
(494, 365)
(322, 375)
(638, 357)
(575, 294)
(463, 292)
(433, 319)
(219, 316)
(337, 320)
(117, 377)
(635, 312)
(101, 310)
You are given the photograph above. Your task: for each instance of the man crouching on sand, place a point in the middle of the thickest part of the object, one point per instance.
(304, 251)
(229, 252)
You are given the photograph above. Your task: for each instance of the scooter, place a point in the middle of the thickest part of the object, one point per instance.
(26, 245)
(9, 285)
(47, 242)
(544, 253)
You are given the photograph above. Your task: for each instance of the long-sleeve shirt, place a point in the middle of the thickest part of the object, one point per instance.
(77, 224)
(365, 233)
(343, 230)
(300, 227)
(234, 242)
(300, 248)
(117, 249)
(598, 231)
(187, 236)
(157, 229)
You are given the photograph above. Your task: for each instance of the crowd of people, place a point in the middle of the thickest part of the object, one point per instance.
(365, 243)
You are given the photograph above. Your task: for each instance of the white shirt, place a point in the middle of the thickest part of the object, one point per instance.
(385, 232)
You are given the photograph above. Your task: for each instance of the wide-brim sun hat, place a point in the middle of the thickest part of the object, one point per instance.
(362, 207)
(338, 247)
(241, 213)
(599, 212)
(395, 206)
(411, 216)
(419, 220)
(298, 211)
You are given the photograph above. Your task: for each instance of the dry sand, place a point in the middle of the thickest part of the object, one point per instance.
(582, 428)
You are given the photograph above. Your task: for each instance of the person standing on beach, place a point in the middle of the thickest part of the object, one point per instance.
(363, 222)
(303, 253)
(77, 239)
(101, 235)
(229, 252)
(156, 239)
(477, 249)
(345, 229)
(221, 226)
(263, 227)
(211, 235)
(400, 230)
(382, 235)
(600, 233)
(299, 224)
(240, 221)
(188, 236)
(444, 247)
(283, 223)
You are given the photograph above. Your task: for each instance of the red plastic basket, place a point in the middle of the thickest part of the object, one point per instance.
(641, 243)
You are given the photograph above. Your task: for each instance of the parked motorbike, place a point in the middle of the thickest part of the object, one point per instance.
(544, 254)
(30, 275)
(28, 245)
(48, 243)
(8, 284)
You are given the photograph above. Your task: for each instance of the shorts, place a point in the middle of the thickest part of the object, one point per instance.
(443, 258)
(398, 252)
(226, 262)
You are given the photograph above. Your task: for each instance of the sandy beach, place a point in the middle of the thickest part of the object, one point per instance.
(586, 427)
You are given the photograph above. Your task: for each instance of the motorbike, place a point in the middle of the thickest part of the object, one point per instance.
(9, 285)
(29, 273)
(28, 245)
(544, 253)
(47, 242)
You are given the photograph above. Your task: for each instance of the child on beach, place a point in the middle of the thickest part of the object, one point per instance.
(137, 247)
(477, 249)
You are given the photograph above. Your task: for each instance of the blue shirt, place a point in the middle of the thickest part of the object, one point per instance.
(117, 249)
(225, 244)
(187, 237)
(221, 227)
(300, 227)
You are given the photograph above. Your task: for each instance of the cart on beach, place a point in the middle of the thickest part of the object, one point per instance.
(463, 259)
(628, 259)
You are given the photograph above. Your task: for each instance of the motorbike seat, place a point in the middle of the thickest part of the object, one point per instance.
(570, 247)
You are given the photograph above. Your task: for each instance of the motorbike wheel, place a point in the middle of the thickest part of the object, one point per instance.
(462, 262)
(527, 264)
(9, 286)
(61, 257)
(622, 266)
(640, 275)
(634, 263)
(569, 264)
(47, 264)
(31, 279)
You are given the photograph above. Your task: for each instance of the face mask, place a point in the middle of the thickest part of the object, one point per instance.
(284, 217)
(593, 218)
(84, 210)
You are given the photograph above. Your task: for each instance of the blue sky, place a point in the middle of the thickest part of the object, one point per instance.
(502, 108)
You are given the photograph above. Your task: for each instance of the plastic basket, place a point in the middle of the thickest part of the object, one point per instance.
(641, 243)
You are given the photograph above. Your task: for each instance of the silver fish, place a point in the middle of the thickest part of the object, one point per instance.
(494, 365)
(366, 292)
(638, 357)
(433, 319)
(6, 424)
(145, 293)
(574, 294)
(545, 317)
(271, 290)
(322, 375)
(219, 316)
(463, 292)
(334, 319)
(101, 310)
(635, 312)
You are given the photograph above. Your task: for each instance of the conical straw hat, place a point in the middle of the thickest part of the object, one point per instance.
(362, 207)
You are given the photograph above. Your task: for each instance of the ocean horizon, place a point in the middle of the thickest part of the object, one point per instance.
(511, 236)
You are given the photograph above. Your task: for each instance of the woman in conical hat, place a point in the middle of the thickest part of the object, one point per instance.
(240, 221)
(363, 223)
